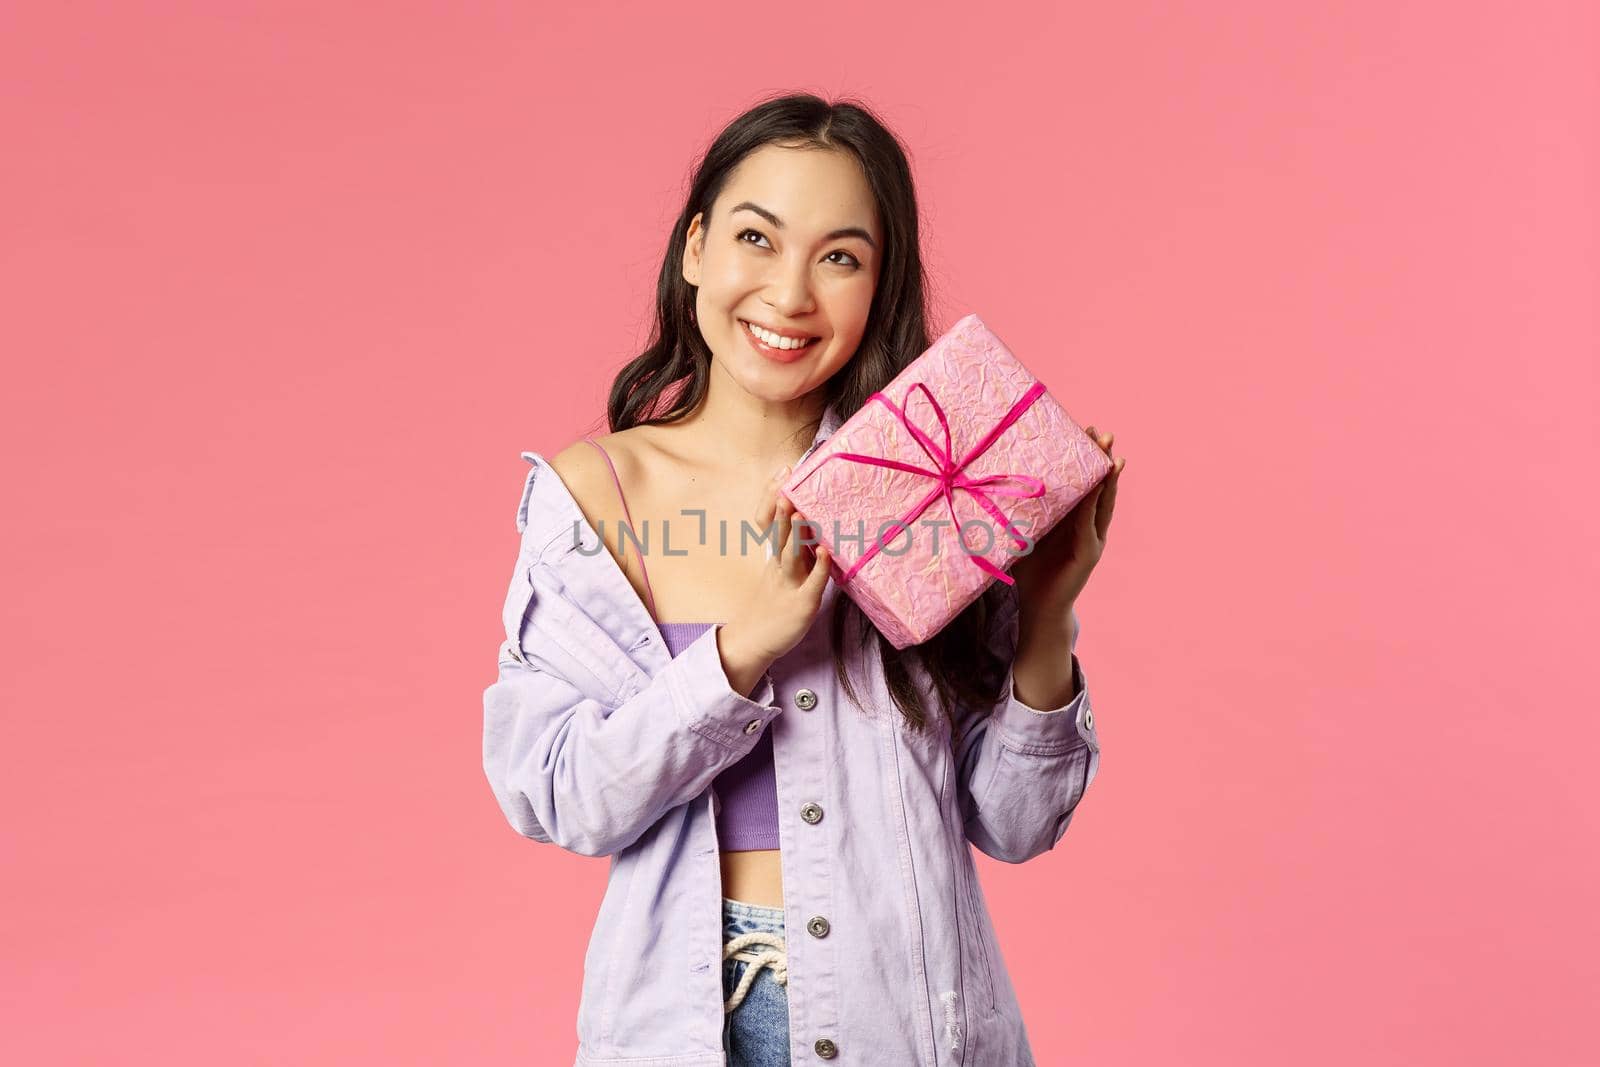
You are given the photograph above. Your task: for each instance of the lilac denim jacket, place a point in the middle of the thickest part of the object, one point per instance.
(597, 740)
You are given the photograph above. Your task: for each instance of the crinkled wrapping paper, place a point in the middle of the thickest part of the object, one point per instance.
(922, 577)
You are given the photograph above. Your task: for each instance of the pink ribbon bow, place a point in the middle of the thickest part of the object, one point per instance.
(948, 476)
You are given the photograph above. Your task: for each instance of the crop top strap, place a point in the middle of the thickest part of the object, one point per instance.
(620, 543)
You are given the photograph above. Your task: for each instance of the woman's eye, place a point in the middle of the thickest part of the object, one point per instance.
(854, 262)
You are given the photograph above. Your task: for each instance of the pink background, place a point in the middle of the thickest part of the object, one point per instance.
(287, 287)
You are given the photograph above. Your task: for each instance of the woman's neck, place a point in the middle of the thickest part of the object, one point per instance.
(744, 431)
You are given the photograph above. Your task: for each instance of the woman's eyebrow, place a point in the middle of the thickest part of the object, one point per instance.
(848, 231)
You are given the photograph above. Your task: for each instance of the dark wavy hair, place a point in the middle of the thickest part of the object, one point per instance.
(668, 380)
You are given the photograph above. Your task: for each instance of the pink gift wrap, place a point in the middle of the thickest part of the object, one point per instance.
(896, 461)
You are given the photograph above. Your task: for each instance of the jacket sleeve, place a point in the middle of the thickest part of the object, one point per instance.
(591, 777)
(1021, 771)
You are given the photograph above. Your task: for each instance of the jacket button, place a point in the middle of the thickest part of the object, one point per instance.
(1088, 717)
(811, 813)
(805, 700)
(825, 1048)
(752, 726)
(818, 926)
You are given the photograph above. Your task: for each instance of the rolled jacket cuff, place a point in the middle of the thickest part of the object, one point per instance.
(1047, 732)
(707, 703)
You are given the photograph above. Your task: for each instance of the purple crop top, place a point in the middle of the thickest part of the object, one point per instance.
(748, 790)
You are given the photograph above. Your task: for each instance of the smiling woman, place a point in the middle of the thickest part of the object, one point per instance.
(789, 271)
(726, 700)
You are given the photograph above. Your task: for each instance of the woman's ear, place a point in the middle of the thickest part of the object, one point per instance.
(694, 242)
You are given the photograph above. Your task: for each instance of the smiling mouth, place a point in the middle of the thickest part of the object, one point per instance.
(773, 350)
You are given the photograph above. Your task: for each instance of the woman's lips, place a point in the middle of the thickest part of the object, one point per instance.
(781, 355)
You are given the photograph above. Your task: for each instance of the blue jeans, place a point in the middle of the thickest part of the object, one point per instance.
(755, 1031)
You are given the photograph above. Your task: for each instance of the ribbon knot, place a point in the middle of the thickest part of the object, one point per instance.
(948, 473)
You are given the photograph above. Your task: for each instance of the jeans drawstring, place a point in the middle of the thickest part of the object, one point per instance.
(775, 956)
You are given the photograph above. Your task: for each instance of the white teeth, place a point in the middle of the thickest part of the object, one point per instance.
(775, 340)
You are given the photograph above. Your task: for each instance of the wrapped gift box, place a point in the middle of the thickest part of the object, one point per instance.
(964, 437)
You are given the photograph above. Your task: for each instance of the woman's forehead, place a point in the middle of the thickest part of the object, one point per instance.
(794, 189)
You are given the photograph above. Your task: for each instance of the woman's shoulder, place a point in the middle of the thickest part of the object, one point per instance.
(588, 477)
(581, 462)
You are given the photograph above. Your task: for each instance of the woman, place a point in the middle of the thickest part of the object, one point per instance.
(709, 711)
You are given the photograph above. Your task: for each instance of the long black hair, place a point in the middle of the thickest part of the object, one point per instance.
(669, 379)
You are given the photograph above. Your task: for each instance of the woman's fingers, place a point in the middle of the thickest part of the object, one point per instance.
(818, 578)
(794, 557)
(767, 532)
(1108, 499)
(803, 533)
(770, 497)
(1105, 494)
(1084, 510)
(780, 537)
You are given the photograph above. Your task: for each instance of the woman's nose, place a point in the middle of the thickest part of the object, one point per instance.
(790, 293)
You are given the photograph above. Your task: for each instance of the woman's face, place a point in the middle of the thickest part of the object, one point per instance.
(792, 246)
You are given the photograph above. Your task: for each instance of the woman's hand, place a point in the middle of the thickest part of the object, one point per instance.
(785, 597)
(1050, 577)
